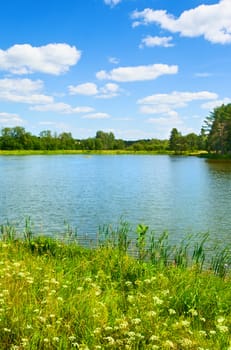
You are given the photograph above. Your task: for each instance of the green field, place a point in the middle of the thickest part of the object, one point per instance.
(59, 295)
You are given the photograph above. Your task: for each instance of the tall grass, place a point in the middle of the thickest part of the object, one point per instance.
(59, 295)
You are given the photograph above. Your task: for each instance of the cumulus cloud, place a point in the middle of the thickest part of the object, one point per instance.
(213, 22)
(50, 59)
(112, 2)
(167, 103)
(151, 41)
(62, 108)
(90, 89)
(87, 89)
(137, 73)
(23, 91)
(10, 119)
(217, 103)
(98, 115)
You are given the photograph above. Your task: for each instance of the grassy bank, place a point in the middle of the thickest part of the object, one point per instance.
(55, 295)
(103, 152)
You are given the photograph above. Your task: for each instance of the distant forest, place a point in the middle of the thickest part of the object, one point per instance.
(215, 136)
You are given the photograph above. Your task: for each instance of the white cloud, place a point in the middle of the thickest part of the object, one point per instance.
(10, 119)
(112, 2)
(164, 125)
(23, 91)
(113, 60)
(152, 41)
(87, 89)
(109, 90)
(51, 59)
(61, 107)
(98, 115)
(137, 73)
(217, 103)
(213, 22)
(167, 103)
(203, 75)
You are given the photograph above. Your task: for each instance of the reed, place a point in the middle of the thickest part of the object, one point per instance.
(56, 294)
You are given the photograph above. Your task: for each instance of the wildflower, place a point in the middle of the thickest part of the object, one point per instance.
(7, 330)
(97, 331)
(72, 338)
(42, 319)
(54, 281)
(157, 300)
(46, 340)
(52, 292)
(123, 325)
(220, 320)
(131, 334)
(88, 280)
(169, 343)
(203, 333)
(154, 338)
(131, 299)
(186, 342)
(136, 321)
(110, 340)
(60, 299)
(151, 313)
(171, 312)
(56, 339)
(185, 323)
(212, 332)
(98, 292)
(128, 283)
(147, 281)
(193, 312)
(222, 328)
(25, 341)
(30, 280)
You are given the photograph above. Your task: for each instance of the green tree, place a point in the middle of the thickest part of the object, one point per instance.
(107, 139)
(175, 141)
(66, 141)
(16, 138)
(218, 128)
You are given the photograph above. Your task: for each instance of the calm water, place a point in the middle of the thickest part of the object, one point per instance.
(179, 194)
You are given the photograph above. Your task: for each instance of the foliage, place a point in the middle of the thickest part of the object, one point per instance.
(57, 295)
(218, 127)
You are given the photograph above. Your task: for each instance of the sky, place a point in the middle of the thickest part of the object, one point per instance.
(137, 68)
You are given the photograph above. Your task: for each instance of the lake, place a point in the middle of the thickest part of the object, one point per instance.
(175, 193)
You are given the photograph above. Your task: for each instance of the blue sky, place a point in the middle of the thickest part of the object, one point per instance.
(137, 68)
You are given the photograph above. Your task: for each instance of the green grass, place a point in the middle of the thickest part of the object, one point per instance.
(102, 152)
(58, 295)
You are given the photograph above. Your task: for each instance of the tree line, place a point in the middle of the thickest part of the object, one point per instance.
(215, 136)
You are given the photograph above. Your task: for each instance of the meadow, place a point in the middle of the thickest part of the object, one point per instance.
(116, 294)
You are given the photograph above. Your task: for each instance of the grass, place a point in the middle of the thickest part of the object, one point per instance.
(92, 152)
(59, 295)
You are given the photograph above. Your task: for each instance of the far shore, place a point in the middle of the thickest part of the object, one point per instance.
(95, 152)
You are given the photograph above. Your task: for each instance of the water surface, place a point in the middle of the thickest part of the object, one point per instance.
(178, 194)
